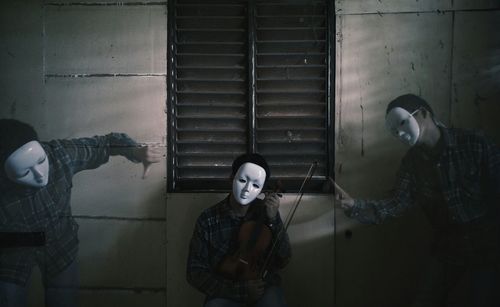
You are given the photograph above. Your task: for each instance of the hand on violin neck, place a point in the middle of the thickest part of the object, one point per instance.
(272, 203)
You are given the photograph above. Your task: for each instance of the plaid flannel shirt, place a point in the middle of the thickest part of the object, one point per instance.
(47, 209)
(468, 173)
(214, 237)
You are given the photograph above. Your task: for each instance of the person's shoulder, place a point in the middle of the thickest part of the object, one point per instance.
(464, 136)
(73, 144)
(212, 212)
(465, 132)
(52, 144)
(59, 145)
(54, 148)
(59, 159)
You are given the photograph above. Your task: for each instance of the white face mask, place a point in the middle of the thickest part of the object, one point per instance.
(403, 125)
(248, 182)
(28, 165)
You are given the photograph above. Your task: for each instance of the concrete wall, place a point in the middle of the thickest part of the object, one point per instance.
(78, 70)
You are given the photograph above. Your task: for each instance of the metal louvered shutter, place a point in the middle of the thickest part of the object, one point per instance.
(291, 102)
(249, 76)
(209, 98)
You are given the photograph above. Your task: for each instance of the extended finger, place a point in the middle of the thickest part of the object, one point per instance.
(147, 167)
(339, 190)
(343, 205)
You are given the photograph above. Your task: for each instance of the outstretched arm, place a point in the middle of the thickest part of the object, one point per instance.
(89, 153)
(377, 211)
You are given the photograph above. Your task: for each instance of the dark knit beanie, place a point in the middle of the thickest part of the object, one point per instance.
(410, 103)
(250, 158)
(14, 134)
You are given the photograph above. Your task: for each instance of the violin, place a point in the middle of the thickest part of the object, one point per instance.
(254, 239)
(255, 242)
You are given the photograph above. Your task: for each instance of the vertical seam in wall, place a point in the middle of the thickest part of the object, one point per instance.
(339, 81)
(451, 91)
(338, 93)
(44, 97)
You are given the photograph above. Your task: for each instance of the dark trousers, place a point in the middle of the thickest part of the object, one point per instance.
(481, 284)
(60, 290)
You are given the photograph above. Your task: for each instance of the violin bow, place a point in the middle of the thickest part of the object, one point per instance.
(289, 216)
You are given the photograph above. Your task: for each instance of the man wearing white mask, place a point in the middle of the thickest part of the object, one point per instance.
(35, 191)
(216, 236)
(454, 176)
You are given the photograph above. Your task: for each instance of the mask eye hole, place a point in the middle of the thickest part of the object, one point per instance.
(42, 160)
(402, 122)
(255, 186)
(242, 180)
(23, 174)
